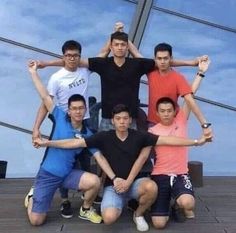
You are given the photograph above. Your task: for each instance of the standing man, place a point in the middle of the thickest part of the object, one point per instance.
(56, 169)
(170, 171)
(126, 150)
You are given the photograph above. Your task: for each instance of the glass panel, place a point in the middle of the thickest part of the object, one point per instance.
(45, 25)
(218, 11)
(189, 40)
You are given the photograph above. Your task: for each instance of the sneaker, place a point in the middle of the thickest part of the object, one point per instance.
(66, 211)
(132, 205)
(28, 196)
(141, 223)
(90, 215)
(98, 199)
(177, 214)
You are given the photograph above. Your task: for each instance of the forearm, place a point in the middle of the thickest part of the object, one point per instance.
(41, 114)
(195, 109)
(105, 166)
(105, 50)
(184, 62)
(176, 141)
(66, 143)
(58, 62)
(137, 166)
(134, 51)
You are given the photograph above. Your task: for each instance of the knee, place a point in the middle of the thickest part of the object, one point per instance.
(109, 217)
(159, 223)
(150, 188)
(186, 202)
(95, 182)
(36, 221)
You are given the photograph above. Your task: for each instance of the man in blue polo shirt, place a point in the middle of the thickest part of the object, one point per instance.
(56, 169)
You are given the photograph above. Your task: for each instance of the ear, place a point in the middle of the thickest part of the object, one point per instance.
(130, 120)
(112, 121)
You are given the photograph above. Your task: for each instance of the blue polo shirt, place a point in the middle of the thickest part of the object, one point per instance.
(58, 161)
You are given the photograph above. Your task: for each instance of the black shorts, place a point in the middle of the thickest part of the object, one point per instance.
(169, 187)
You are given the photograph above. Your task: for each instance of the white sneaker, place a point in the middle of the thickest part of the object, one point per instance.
(28, 196)
(141, 223)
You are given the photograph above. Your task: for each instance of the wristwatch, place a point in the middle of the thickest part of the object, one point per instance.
(206, 125)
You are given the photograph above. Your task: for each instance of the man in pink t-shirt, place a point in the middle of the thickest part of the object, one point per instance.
(170, 171)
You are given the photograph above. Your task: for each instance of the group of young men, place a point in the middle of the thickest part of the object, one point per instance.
(119, 149)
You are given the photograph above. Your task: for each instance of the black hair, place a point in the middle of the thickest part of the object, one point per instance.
(120, 108)
(76, 97)
(119, 36)
(163, 47)
(71, 45)
(165, 100)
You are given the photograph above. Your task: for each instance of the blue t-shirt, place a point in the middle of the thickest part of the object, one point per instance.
(58, 161)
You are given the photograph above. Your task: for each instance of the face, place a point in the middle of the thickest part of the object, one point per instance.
(71, 59)
(166, 113)
(119, 48)
(163, 60)
(77, 111)
(121, 121)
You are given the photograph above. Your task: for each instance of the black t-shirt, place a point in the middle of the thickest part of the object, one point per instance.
(120, 85)
(121, 155)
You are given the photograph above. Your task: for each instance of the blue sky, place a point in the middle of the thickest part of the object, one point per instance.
(47, 24)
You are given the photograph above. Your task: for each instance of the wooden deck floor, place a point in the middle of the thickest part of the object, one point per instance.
(215, 211)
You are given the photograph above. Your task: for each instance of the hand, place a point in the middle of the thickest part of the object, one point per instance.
(208, 134)
(203, 65)
(119, 27)
(40, 142)
(32, 66)
(36, 135)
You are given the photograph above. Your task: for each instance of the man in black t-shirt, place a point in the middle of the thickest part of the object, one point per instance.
(125, 150)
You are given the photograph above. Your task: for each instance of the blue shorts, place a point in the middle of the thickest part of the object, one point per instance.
(106, 124)
(46, 185)
(116, 200)
(169, 187)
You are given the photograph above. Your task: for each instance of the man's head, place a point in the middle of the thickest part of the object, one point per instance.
(166, 110)
(119, 44)
(71, 50)
(163, 56)
(76, 108)
(121, 118)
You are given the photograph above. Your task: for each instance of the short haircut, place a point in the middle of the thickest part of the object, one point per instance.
(76, 97)
(165, 100)
(120, 108)
(163, 47)
(71, 45)
(119, 36)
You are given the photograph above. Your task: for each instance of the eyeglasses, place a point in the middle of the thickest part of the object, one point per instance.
(77, 108)
(70, 56)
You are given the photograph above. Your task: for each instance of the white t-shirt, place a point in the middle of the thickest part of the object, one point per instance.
(64, 84)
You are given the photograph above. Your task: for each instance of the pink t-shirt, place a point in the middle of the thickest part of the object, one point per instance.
(171, 159)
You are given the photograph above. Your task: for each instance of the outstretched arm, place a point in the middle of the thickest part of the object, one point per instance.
(46, 98)
(179, 141)
(193, 62)
(202, 68)
(64, 143)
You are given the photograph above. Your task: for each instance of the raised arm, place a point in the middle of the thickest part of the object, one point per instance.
(202, 68)
(46, 98)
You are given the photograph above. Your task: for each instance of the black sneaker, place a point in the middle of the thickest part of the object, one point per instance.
(66, 211)
(97, 200)
(177, 214)
(132, 205)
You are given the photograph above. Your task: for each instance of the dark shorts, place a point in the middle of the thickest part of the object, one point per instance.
(46, 185)
(169, 187)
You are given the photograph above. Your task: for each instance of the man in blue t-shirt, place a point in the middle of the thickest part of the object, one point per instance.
(56, 169)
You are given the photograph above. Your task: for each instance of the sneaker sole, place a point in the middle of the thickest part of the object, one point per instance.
(66, 216)
(84, 218)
